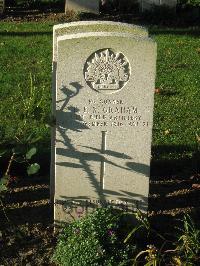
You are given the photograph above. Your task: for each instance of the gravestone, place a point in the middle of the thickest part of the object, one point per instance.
(103, 104)
(94, 26)
(2, 6)
(91, 6)
(148, 5)
(80, 27)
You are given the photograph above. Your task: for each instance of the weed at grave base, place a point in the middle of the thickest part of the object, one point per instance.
(20, 156)
(101, 238)
(188, 246)
(93, 240)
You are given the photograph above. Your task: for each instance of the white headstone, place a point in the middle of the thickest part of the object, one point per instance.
(104, 113)
(91, 6)
(78, 27)
(147, 5)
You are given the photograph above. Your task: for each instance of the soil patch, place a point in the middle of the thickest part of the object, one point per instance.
(26, 224)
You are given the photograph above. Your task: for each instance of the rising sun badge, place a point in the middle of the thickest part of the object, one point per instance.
(107, 71)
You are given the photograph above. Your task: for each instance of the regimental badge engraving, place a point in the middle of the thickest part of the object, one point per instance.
(107, 71)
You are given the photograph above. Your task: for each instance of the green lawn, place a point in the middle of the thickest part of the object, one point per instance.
(177, 112)
(25, 88)
(25, 93)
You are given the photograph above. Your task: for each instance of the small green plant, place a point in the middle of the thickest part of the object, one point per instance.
(29, 109)
(143, 224)
(156, 253)
(188, 246)
(19, 156)
(93, 240)
(32, 100)
(151, 256)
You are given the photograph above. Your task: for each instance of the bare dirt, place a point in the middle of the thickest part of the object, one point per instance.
(26, 226)
(26, 219)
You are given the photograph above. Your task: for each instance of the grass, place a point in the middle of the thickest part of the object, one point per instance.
(25, 94)
(176, 117)
(25, 89)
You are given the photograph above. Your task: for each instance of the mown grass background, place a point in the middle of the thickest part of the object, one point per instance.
(25, 88)
(25, 94)
(176, 116)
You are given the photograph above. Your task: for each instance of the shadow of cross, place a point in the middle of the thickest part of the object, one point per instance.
(104, 160)
(69, 120)
(104, 152)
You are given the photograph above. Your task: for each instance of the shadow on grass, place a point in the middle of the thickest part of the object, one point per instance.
(25, 33)
(169, 160)
(172, 186)
(190, 32)
(171, 190)
(27, 201)
(176, 31)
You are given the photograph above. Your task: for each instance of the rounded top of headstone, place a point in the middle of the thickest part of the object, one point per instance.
(103, 26)
(82, 27)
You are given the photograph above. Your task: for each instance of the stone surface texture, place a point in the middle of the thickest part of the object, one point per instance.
(104, 114)
(91, 6)
(81, 27)
(94, 26)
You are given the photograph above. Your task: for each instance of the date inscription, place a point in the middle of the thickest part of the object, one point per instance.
(110, 112)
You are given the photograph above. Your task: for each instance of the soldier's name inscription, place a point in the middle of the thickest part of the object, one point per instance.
(113, 113)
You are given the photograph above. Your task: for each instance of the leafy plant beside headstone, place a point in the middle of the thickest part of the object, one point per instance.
(98, 239)
(22, 156)
(188, 246)
(93, 240)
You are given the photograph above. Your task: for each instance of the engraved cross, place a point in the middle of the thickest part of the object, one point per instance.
(103, 163)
